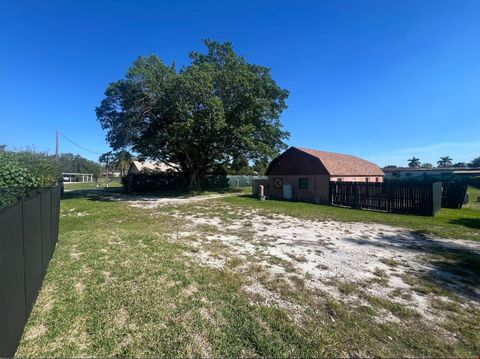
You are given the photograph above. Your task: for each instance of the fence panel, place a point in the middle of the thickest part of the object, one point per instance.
(397, 197)
(32, 243)
(46, 228)
(454, 194)
(56, 194)
(12, 284)
(28, 234)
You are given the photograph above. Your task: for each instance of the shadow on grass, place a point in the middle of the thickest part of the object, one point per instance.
(451, 266)
(118, 194)
(467, 222)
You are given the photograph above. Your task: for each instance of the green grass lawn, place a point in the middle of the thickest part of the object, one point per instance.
(115, 183)
(448, 223)
(122, 284)
(474, 195)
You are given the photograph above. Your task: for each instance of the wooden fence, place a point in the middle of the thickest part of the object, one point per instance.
(28, 235)
(396, 197)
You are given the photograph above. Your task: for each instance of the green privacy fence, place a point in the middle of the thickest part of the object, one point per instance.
(167, 181)
(28, 235)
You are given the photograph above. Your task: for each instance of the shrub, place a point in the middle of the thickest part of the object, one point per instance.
(22, 172)
(474, 182)
(15, 174)
(142, 182)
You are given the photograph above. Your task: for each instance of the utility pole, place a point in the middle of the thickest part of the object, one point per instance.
(56, 148)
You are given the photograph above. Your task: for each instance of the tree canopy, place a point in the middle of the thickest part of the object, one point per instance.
(475, 162)
(414, 162)
(78, 164)
(445, 161)
(119, 160)
(217, 111)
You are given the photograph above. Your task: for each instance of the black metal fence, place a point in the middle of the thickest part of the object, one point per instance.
(28, 235)
(396, 197)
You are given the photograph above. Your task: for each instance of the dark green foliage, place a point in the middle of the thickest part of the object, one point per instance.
(78, 164)
(475, 182)
(40, 165)
(15, 174)
(119, 160)
(475, 162)
(21, 172)
(122, 160)
(215, 112)
(142, 182)
(414, 162)
(445, 161)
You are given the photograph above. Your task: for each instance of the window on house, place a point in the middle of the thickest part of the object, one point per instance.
(339, 179)
(277, 183)
(367, 179)
(303, 183)
(376, 179)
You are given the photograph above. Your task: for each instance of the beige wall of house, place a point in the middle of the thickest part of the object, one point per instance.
(317, 187)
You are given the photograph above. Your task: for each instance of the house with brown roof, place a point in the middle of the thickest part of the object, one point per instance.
(148, 167)
(304, 174)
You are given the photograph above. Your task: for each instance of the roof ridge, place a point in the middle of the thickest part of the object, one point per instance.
(322, 151)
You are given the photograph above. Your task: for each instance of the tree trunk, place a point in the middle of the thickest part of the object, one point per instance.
(195, 178)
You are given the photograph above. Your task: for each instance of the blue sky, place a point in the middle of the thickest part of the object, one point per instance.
(384, 80)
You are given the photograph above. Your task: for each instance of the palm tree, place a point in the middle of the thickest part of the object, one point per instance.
(445, 161)
(122, 160)
(414, 162)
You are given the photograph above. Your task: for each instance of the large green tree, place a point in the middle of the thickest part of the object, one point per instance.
(215, 112)
(78, 164)
(475, 162)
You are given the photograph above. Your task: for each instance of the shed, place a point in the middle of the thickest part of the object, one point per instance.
(305, 174)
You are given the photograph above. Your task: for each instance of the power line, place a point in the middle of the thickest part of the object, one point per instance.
(79, 146)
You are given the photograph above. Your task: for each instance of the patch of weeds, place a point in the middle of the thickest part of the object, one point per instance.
(399, 310)
(424, 286)
(380, 273)
(299, 259)
(207, 228)
(235, 262)
(297, 281)
(347, 288)
(390, 262)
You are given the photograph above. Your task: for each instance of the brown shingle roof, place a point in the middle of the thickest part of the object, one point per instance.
(338, 164)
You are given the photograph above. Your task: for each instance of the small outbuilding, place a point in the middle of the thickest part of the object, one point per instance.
(148, 167)
(304, 174)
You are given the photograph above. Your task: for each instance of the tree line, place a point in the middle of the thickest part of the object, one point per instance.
(443, 162)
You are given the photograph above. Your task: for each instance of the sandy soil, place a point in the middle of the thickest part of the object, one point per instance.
(326, 254)
(154, 202)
